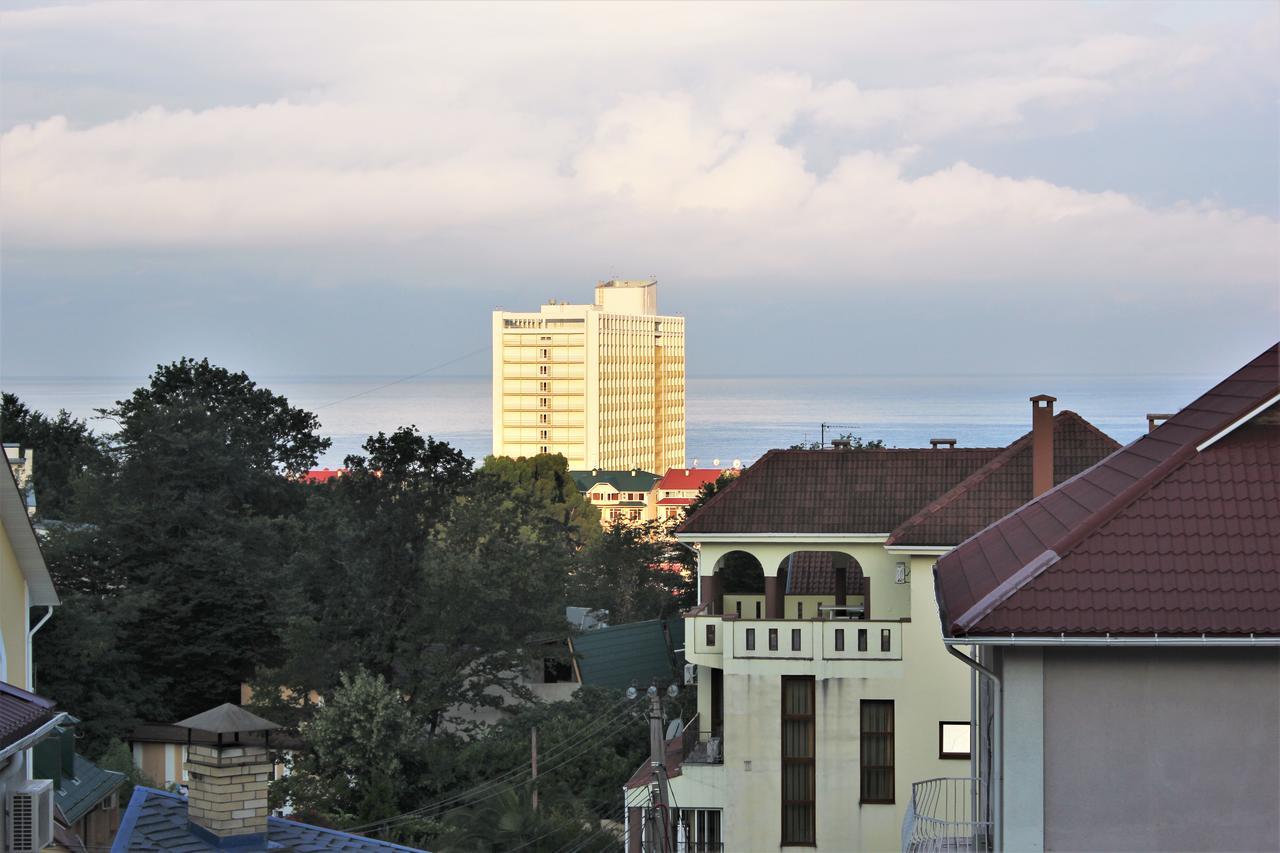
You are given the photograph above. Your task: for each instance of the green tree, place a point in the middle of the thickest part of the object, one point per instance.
(192, 521)
(633, 571)
(544, 480)
(357, 571)
(65, 450)
(358, 750)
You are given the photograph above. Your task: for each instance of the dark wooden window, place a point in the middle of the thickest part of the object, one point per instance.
(795, 639)
(877, 751)
(799, 785)
(737, 605)
(799, 609)
(886, 641)
(862, 639)
(839, 639)
(953, 740)
(711, 635)
(773, 639)
(751, 639)
(757, 610)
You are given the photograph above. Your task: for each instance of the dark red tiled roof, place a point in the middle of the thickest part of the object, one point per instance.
(21, 713)
(1159, 537)
(1003, 484)
(835, 491)
(814, 573)
(688, 479)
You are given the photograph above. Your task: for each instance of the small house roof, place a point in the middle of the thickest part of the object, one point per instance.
(21, 713)
(631, 480)
(227, 719)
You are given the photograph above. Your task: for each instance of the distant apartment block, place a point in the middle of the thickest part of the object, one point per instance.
(601, 384)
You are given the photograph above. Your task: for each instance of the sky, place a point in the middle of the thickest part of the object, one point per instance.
(827, 189)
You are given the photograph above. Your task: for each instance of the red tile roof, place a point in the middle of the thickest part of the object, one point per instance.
(814, 573)
(1159, 537)
(322, 475)
(21, 713)
(688, 479)
(835, 491)
(1003, 484)
(675, 501)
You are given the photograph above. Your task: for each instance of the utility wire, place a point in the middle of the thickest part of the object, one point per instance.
(501, 788)
(405, 378)
(500, 782)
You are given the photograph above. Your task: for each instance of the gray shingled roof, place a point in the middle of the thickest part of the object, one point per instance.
(227, 719)
(157, 821)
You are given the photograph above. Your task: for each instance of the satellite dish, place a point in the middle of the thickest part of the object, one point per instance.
(737, 463)
(695, 463)
(715, 462)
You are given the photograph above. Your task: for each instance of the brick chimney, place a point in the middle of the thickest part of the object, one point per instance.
(1041, 444)
(227, 790)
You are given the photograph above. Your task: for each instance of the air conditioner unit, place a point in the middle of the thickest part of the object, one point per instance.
(690, 673)
(29, 816)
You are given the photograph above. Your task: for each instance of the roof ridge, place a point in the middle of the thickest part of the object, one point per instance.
(746, 472)
(1017, 445)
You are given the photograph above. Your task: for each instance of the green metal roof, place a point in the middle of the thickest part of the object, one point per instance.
(78, 794)
(633, 480)
(637, 653)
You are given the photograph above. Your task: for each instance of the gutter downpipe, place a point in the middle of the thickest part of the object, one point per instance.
(997, 737)
(31, 675)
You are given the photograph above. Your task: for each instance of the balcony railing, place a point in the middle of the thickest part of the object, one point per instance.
(701, 746)
(789, 639)
(943, 815)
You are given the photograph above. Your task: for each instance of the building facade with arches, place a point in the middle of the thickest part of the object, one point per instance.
(824, 688)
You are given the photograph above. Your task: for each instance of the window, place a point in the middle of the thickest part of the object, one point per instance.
(773, 639)
(798, 749)
(542, 401)
(839, 639)
(701, 830)
(542, 434)
(886, 640)
(799, 609)
(544, 417)
(635, 515)
(711, 635)
(542, 369)
(597, 496)
(737, 606)
(953, 740)
(543, 386)
(877, 751)
(615, 514)
(862, 639)
(542, 449)
(795, 639)
(757, 610)
(751, 639)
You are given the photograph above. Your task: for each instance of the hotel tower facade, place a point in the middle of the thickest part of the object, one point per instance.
(601, 384)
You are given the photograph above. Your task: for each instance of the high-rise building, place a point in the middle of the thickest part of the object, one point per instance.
(602, 384)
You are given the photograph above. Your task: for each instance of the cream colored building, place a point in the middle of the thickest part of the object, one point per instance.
(824, 691)
(601, 384)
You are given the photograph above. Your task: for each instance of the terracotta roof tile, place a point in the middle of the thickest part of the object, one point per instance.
(1159, 537)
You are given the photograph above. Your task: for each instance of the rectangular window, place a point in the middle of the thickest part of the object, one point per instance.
(799, 786)
(757, 610)
(953, 740)
(886, 641)
(795, 639)
(711, 635)
(701, 830)
(839, 639)
(737, 606)
(877, 751)
(751, 639)
(799, 609)
(862, 639)
(773, 639)
(635, 515)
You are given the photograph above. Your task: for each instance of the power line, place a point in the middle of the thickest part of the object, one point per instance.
(500, 782)
(432, 369)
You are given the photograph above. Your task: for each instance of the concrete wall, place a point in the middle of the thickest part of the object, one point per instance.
(1159, 749)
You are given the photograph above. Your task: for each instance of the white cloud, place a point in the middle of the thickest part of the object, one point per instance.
(672, 137)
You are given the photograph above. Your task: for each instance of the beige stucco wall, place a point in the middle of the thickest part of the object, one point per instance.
(926, 684)
(13, 616)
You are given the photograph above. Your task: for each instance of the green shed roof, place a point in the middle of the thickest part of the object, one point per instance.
(637, 653)
(633, 480)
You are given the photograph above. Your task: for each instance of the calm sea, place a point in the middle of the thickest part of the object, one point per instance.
(728, 418)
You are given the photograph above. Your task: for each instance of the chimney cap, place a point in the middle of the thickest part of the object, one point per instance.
(841, 444)
(227, 719)
(1044, 398)
(944, 442)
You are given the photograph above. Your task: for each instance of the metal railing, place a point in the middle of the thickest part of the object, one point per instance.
(946, 814)
(700, 746)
